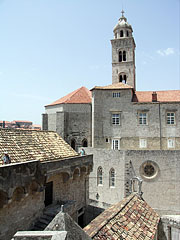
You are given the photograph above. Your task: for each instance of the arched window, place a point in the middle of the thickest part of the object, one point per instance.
(115, 35)
(120, 56)
(121, 33)
(122, 78)
(112, 177)
(84, 143)
(99, 176)
(127, 33)
(73, 143)
(124, 56)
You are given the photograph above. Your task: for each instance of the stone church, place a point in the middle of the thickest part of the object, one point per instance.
(133, 135)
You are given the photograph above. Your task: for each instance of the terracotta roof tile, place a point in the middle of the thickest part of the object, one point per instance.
(114, 86)
(162, 96)
(81, 95)
(26, 145)
(132, 218)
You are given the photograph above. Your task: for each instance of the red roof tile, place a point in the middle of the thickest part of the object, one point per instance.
(132, 218)
(81, 95)
(162, 96)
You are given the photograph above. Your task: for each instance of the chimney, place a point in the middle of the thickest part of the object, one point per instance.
(154, 97)
(4, 124)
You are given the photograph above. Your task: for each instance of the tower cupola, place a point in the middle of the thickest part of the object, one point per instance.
(123, 53)
(122, 28)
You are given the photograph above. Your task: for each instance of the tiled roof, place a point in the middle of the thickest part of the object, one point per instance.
(130, 219)
(162, 96)
(81, 95)
(22, 121)
(26, 145)
(114, 86)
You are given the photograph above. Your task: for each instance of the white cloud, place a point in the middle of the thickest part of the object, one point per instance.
(166, 52)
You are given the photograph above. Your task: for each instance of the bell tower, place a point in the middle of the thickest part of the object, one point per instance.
(123, 53)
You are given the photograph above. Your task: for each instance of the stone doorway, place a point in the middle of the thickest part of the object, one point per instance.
(48, 194)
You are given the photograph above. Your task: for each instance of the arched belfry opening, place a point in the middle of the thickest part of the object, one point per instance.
(123, 78)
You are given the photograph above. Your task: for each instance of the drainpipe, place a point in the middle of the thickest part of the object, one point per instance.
(160, 131)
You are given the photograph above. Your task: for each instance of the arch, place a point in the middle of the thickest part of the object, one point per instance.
(73, 143)
(3, 198)
(123, 78)
(120, 56)
(84, 142)
(99, 176)
(121, 33)
(112, 177)
(76, 173)
(65, 177)
(124, 56)
(33, 187)
(83, 170)
(18, 194)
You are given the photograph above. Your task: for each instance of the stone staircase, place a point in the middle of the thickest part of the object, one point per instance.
(48, 214)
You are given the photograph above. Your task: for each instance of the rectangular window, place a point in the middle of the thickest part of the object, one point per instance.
(115, 144)
(142, 118)
(170, 118)
(171, 143)
(116, 119)
(116, 94)
(142, 143)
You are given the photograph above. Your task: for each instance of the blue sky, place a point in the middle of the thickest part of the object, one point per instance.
(49, 48)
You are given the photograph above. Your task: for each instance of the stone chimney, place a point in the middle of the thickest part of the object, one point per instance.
(154, 97)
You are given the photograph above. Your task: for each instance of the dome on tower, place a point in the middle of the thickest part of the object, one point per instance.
(122, 23)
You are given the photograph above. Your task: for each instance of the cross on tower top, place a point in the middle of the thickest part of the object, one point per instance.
(122, 13)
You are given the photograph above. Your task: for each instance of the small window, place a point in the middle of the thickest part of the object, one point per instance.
(122, 78)
(116, 119)
(120, 56)
(115, 35)
(124, 56)
(171, 143)
(121, 33)
(116, 94)
(127, 33)
(170, 118)
(107, 140)
(142, 118)
(115, 144)
(112, 178)
(99, 176)
(142, 143)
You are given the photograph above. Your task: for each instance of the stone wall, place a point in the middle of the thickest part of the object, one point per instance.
(22, 190)
(71, 121)
(160, 189)
(129, 131)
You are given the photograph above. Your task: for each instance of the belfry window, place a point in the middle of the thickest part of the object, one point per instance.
(127, 34)
(120, 56)
(121, 33)
(122, 78)
(124, 56)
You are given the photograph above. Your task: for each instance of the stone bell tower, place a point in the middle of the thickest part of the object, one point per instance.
(123, 53)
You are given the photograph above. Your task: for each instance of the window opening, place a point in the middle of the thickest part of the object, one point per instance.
(115, 144)
(142, 118)
(124, 56)
(116, 94)
(99, 176)
(127, 33)
(121, 33)
(112, 178)
(73, 144)
(85, 143)
(170, 118)
(142, 143)
(120, 56)
(171, 143)
(116, 119)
